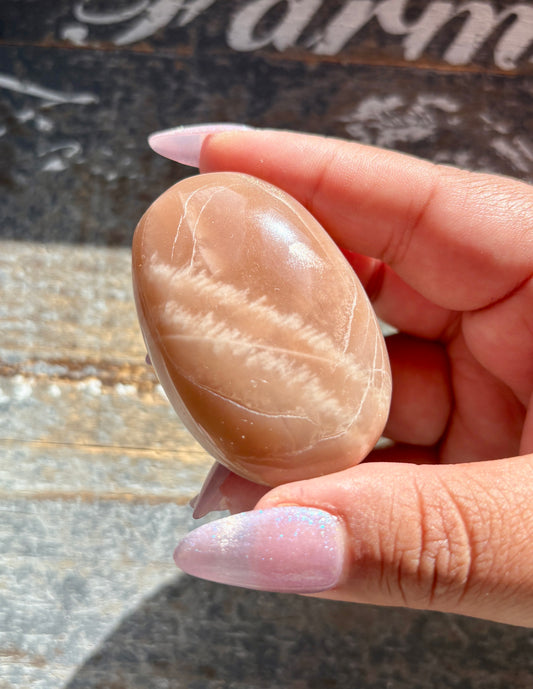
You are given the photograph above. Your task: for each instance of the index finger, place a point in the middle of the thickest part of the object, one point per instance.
(462, 240)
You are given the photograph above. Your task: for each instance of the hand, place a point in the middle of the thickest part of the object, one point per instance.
(443, 518)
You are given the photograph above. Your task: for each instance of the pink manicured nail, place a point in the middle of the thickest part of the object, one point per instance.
(283, 549)
(225, 490)
(183, 144)
(210, 499)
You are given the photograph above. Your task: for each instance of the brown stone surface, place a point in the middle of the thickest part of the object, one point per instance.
(261, 334)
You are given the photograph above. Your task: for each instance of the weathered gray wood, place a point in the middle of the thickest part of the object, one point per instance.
(95, 469)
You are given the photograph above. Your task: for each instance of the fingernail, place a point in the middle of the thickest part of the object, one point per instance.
(225, 490)
(283, 549)
(210, 499)
(183, 144)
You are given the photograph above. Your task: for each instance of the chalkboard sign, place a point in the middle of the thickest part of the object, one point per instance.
(83, 82)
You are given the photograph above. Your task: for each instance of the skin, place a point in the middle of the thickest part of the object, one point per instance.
(443, 518)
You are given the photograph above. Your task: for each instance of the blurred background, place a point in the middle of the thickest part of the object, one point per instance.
(95, 470)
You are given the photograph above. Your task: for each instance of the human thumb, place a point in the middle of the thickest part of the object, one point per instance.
(454, 538)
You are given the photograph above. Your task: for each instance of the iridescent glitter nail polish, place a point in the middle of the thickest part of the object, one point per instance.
(284, 549)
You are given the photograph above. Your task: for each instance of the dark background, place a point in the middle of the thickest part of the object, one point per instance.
(79, 165)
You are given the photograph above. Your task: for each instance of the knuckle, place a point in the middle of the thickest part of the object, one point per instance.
(434, 551)
(452, 538)
(416, 217)
(331, 161)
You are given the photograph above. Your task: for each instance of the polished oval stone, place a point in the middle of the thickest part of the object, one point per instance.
(259, 330)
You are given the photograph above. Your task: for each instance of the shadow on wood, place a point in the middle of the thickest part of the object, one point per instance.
(198, 635)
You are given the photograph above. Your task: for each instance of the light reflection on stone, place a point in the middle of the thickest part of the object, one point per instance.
(264, 341)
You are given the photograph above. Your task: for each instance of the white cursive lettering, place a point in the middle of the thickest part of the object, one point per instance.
(478, 20)
(298, 14)
(152, 16)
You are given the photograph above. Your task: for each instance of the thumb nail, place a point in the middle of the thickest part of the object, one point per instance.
(283, 549)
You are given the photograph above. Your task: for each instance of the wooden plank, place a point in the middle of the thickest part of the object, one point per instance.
(74, 300)
(102, 608)
(72, 358)
(95, 468)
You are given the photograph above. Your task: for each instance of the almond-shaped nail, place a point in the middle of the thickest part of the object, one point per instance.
(283, 549)
(225, 490)
(184, 144)
(210, 499)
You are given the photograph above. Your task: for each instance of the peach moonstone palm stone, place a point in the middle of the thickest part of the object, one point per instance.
(258, 329)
